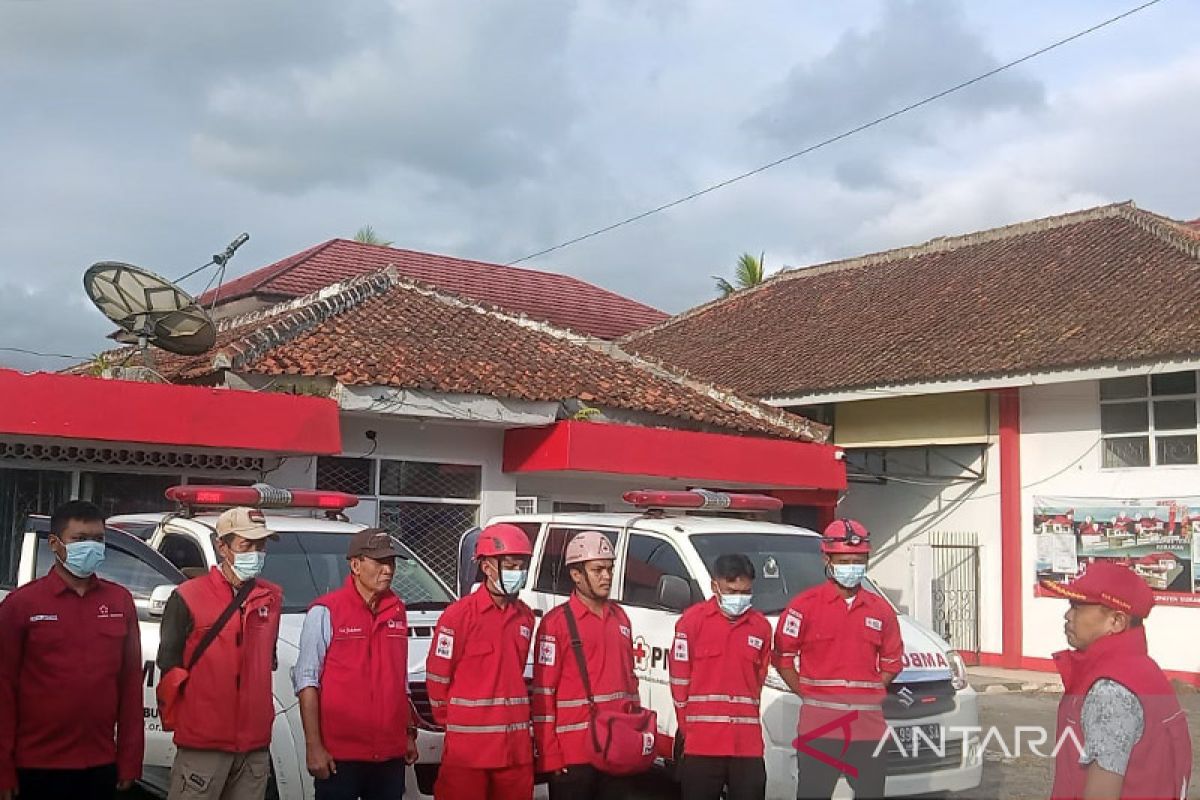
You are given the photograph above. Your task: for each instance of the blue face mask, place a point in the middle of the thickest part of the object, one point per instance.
(248, 565)
(734, 605)
(848, 575)
(84, 558)
(513, 580)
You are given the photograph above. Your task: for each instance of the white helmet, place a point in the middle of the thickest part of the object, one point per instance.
(588, 546)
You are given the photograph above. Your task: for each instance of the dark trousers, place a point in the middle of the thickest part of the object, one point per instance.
(364, 780)
(94, 783)
(705, 777)
(585, 782)
(818, 779)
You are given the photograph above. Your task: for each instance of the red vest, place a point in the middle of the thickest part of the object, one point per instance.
(227, 704)
(364, 683)
(1160, 766)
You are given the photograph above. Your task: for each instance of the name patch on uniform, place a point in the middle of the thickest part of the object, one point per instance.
(681, 648)
(525, 632)
(874, 624)
(791, 623)
(445, 644)
(44, 618)
(264, 612)
(625, 631)
(546, 653)
(755, 642)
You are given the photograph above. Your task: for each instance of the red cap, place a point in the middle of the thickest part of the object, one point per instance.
(1107, 584)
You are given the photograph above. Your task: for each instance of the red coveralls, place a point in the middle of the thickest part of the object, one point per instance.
(560, 708)
(717, 668)
(476, 680)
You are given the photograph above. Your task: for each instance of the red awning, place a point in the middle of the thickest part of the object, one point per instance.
(571, 446)
(76, 407)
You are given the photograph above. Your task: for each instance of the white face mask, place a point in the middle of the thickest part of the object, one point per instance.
(248, 565)
(734, 605)
(848, 575)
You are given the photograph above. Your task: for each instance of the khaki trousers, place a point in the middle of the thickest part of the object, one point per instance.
(213, 775)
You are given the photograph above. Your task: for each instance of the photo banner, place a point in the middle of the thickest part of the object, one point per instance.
(1159, 538)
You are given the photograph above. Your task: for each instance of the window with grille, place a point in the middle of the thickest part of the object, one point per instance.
(350, 475)
(429, 479)
(1149, 420)
(431, 530)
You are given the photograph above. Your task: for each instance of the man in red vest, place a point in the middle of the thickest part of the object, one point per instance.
(225, 710)
(352, 679)
(848, 644)
(476, 678)
(718, 662)
(561, 718)
(1121, 731)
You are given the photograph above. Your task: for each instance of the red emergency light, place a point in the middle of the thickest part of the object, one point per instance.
(260, 495)
(703, 500)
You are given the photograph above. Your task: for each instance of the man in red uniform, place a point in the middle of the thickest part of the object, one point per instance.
(351, 676)
(476, 678)
(225, 710)
(718, 663)
(70, 674)
(848, 645)
(561, 715)
(1118, 706)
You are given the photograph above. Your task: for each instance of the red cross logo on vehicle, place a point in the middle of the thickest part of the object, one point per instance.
(640, 652)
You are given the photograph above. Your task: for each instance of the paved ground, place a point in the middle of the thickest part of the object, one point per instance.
(1011, 775)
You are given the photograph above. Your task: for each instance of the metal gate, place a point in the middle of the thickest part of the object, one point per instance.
(955, 595)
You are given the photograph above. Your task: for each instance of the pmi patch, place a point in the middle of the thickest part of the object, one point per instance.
(525, 632)
(680, 650)
(791, 623)
(546, 653)
(626, 632)
(755, 642)
(874, 624)
(445, 644)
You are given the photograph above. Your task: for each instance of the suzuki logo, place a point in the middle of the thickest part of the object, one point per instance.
(907, 698)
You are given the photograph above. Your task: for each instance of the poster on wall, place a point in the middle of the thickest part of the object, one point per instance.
(1157, 538)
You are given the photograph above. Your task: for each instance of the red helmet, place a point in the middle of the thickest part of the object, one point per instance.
(502, 539)
(846, 536)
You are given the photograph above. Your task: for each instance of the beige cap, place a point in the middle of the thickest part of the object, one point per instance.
(248, 523)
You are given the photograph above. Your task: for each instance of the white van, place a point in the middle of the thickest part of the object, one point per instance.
(308, 560)
(663, 558)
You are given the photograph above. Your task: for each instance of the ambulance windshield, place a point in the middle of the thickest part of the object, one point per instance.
(785, 564)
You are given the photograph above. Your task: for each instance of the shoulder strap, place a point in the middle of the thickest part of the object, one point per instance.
(210, 636)
(577, 647)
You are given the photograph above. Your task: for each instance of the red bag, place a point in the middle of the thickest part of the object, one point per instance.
(623, 739)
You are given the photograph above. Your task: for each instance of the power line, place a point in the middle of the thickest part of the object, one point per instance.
(23, 351)
(866, 125)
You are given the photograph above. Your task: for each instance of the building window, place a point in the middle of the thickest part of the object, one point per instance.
(350, 475)
(1149, 420)
(430, 505)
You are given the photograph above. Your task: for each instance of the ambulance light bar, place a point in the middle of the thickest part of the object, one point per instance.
(703, 500)
(260, 495)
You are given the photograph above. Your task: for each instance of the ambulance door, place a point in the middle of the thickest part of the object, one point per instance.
(645, 560)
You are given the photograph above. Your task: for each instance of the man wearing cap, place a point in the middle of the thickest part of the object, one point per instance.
(476, 677)
(224, 706)
(849, 648)
(1121, 730)
(561, 716)
(351, 676)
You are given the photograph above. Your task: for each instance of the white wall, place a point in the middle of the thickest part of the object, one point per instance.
(903, 515)
(1060, 455)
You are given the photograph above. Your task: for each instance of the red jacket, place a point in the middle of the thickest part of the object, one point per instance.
(843, 651)
(561, 717)
(364, 682)
(70, 678)
(227, 704)
(1160, 766)
(717, 668)
(476, 681)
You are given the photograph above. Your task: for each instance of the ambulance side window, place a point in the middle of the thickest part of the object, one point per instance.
(647, 560)
(553, 576)
(182, 551)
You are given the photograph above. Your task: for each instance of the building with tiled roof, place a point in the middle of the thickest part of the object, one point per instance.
(562, 300)
(453, 412)
(1048, 364)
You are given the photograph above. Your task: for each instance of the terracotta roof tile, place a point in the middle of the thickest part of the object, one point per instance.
(381, 330)
(562, 300)
(1108, 285)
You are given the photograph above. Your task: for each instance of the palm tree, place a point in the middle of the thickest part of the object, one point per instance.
(749, 272)
(367, 235)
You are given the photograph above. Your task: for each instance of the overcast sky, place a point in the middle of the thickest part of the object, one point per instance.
(155, 132)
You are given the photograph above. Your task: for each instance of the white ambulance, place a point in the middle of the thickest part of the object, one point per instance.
(663, 556)
(308, 560)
